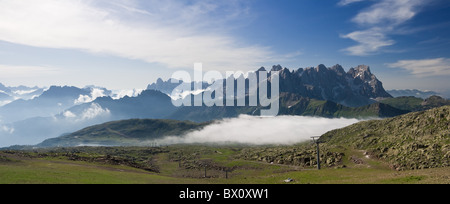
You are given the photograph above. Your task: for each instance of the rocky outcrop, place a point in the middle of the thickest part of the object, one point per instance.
(416, 140)
(304, 156)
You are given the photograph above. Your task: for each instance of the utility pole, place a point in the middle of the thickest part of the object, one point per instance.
(316, 140)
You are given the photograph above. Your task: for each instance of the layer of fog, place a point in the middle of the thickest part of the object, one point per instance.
(246, 129)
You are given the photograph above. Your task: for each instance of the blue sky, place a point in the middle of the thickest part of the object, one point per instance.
(123, 44)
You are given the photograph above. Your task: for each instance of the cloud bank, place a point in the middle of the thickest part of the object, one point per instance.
(261, 131)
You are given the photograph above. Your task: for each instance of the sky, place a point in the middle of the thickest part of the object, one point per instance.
(126, 44)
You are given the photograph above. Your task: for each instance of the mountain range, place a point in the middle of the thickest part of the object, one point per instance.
(355, 88)
(10, 94)
(413, 104)
(413, 93)
(319, 91)
(50, 102)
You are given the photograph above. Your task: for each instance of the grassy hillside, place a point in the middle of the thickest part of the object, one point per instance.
(185, 164)
(416, 104)
(125, 132)
(413, 141)
(405, 103)
(295, 105)
(290, 104)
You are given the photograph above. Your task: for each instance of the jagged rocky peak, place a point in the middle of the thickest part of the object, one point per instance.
(363, 72)
(354, 88)
(321, 68)
(338, 69)
(262, 69)
(277, 68)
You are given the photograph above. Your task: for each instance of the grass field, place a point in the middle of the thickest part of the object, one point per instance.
(55, 167)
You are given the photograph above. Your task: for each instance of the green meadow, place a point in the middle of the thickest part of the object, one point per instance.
(188, 164)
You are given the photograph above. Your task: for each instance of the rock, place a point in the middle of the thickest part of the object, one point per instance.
(289, 180)
(356, 160)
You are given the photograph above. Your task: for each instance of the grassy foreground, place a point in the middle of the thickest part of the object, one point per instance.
(186, 165)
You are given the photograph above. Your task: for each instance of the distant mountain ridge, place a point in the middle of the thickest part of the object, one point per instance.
(413, 92)
(149, 104)
(416, 104)
(329, 109)
(50, 102)
(10, 94)
(290, 104)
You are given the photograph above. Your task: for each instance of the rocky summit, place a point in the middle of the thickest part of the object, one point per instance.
(357, 87)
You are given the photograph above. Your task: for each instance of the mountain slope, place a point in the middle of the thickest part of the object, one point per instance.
(413, 93)
(126, 132)
(290, 104)
(416, 104)
(149, 104)
(297, 105)
(411, 141)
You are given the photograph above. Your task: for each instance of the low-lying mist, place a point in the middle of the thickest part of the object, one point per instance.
(246, 129)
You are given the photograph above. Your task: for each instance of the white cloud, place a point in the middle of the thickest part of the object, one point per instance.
(95, 110)
(381, 19)
(391, 12)
(95, 93)
(347, 2)
(260, 131)
(425, 67)
(369, 42)
(69, 114)
(173, 33)
(9, 130)
(118, 94)
(23, 92)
